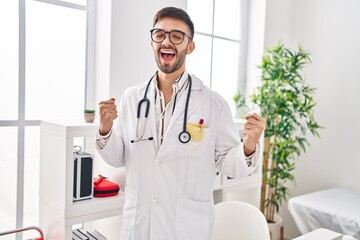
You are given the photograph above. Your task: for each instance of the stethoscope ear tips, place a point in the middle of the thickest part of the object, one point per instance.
(184, 137)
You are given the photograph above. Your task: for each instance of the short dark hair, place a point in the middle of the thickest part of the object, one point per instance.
(176, 13)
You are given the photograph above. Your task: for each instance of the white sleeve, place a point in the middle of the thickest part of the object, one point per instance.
(101, 140)
(252, 160)
(229, 150)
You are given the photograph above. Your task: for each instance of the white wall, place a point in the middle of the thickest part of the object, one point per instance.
(330, 30)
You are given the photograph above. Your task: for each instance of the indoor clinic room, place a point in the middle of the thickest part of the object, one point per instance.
(179, 119)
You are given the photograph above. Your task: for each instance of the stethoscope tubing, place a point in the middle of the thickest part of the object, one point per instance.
(184, 136)
(144, 100)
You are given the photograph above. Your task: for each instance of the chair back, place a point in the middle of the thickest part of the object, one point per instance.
(236, 220)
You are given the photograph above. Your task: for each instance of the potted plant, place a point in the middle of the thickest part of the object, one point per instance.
(89, 115)
(286, 102)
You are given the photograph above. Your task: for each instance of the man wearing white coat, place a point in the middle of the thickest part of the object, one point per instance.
(172, 144)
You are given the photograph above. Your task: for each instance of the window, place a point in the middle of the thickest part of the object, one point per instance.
(9, 57)
(219, 44)
(8, 153)
(47, 47)
(55, 61)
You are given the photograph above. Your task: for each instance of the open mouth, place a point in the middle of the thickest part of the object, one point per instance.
(167, 55)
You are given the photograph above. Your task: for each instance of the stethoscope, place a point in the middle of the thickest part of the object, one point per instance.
(184, 136)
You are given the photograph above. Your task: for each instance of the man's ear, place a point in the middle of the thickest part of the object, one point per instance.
(190, 47)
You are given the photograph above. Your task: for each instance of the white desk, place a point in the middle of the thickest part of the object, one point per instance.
(323, 234)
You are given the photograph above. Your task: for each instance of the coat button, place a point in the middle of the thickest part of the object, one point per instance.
(157, 162)
(154, 201)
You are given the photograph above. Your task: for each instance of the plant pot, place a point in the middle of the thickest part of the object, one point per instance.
(89, 117)
(276, 229)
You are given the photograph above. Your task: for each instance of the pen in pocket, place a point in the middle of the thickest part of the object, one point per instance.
(201, 122)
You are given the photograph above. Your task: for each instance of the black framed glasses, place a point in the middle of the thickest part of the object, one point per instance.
(175, 36)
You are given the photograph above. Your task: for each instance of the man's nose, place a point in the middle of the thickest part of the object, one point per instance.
(166, 40)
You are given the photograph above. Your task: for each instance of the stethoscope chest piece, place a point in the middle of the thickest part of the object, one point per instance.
(184, 137)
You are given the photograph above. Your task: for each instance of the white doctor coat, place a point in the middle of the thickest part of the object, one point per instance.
(169, 188)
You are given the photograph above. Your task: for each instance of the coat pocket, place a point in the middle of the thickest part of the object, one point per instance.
(129, 213)
(197, 146)
(196, 131)
(193, 220)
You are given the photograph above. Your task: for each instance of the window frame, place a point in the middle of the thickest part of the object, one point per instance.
(21, 123)
(242, 41)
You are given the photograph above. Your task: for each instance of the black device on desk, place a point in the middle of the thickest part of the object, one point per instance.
(83, 175)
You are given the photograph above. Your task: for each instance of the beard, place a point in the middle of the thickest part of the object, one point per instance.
(170, 68)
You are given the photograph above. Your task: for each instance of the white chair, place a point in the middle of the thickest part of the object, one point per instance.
(236, 220)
